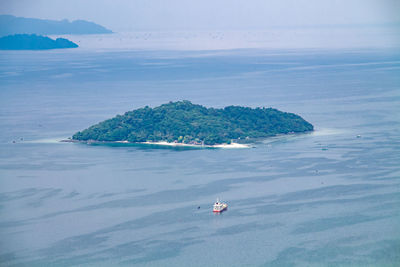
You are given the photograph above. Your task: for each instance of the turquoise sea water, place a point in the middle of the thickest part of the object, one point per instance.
(326, 198)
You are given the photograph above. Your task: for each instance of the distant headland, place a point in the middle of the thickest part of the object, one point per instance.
(33, 42)
(16, 25)
(184, 123)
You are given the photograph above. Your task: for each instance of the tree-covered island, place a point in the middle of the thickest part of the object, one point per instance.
(184, 122)
(33, 42)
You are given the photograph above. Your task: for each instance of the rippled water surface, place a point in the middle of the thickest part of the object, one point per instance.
(330, 197)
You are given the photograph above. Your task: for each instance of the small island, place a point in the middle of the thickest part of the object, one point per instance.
(33, 42)
(184, 123)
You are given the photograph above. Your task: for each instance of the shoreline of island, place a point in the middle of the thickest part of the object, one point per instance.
(158, 143)
(173, 144)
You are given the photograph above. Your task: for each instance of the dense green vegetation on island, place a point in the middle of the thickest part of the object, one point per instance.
(16, 25)
(33, 42)
(185, 122)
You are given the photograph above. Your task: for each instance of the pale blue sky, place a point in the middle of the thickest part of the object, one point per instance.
(120, 15)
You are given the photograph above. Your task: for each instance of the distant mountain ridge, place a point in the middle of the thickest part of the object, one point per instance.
(33, 42)
(17, 25)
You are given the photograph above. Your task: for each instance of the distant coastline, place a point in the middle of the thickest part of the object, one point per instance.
(17, 25)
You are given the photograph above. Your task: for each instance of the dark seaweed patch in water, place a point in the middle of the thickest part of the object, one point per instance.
(334, 222)
(334, 253)
(245, 227)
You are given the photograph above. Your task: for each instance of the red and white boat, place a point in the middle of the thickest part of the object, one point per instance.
(219, 206)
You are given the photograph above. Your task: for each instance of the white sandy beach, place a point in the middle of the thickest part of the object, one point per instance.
(164, 143)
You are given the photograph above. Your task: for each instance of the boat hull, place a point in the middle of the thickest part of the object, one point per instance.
(220, 210)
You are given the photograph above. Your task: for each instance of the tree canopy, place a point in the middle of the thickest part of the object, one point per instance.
(185, 122)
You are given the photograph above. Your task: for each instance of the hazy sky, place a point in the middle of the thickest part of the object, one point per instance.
(120, 15)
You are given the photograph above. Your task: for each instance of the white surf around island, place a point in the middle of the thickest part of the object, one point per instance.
(160, 143)
(165, 143)
(233, 145)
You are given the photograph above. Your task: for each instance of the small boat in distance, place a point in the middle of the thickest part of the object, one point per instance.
(219, 206)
